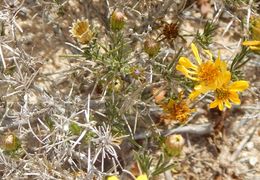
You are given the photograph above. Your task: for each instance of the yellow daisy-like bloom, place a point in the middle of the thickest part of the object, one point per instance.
(253, 45)
(228, 92)
(208, 74)
(81, 31)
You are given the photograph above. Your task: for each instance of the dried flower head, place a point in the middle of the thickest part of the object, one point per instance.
(79, 174)
(151, 47)
(117, 21)
(170, 31)
(116, 85)
(175, 111)
(81, 31)
(174, 144)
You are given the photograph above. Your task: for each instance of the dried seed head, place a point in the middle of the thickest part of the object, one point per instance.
(170, 31)
(117, 21)
(174, 144)
(10, 142)
(151, 47)
(176, 111)
(81, 31)
(116, 85)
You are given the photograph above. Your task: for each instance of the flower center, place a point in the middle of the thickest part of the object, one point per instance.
(222, 94)
(208, 72)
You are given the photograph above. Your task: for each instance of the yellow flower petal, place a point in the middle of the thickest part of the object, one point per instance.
(220, 105)
(251, 43)
(214, 104)
(254, 48)
(196, 53)
(223, 79)
(142, 177)
(222, 65)
(226, 77)
(194, 94)
(234, 98)
(228, 104)
(210, 54)
(239, 86)
(256, 33)
(186, 63)
(112, 178)
(186, 72)
(202, 89)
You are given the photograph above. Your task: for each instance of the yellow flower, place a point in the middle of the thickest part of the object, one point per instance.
(208, 74)
(175, 111)
(255, 28)
(81, 31)
(142, 177)
(228, 92)
(253, 45)
(112, 178)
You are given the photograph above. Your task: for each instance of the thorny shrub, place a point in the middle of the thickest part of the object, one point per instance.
(134, 82)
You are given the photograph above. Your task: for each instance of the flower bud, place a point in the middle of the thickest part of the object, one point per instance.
(117, 21)
(174, 144)
(151, 47)
(10, 142)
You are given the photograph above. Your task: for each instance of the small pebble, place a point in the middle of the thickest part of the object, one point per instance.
(253, 160)
(250, 145)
